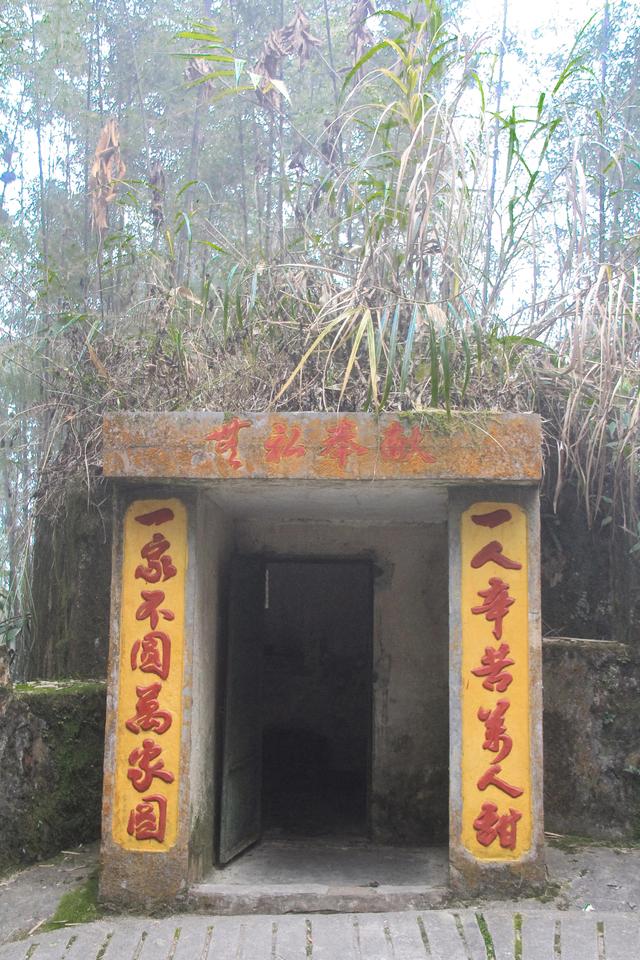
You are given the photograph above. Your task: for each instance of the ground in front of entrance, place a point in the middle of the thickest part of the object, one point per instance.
(591, 912)
(493, 934)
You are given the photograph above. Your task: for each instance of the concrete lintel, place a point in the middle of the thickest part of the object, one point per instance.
(466, 446)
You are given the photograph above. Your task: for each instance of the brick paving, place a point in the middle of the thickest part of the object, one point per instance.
(491, 934)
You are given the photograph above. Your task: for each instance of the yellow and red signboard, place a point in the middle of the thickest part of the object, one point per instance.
(152, 623)
(496, 774)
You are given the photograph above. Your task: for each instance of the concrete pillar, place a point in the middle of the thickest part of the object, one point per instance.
(495, 691)
(154, 632)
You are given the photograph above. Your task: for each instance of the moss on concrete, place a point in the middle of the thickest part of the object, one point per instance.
(443, 423)
(57, 687)
(57, 794)
(77, 906)
(591, 755)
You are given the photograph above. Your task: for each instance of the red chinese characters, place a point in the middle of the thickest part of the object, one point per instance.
(491, 778)
(491, 825)
(492, 519)
(159, 565)
(148, 820)
(397, 446)
(148, 714)
(150, 608)
(492, 668)
(156, 517)
(340, 443)
(496, 738)
(145, 764)
(492, 553)
(226, 440)
(151, 655)
(283, 443)
(496, 604)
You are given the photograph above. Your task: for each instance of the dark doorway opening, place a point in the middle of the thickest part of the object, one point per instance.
(296, 745)
(316, 697)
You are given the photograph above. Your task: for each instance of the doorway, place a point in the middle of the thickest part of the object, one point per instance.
(297, 732)
(316, 697)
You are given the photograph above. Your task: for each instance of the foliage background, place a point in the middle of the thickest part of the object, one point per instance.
(322, 208)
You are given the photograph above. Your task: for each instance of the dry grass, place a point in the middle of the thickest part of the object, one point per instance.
(382, 296)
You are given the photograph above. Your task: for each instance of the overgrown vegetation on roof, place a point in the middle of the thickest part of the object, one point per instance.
(318, 207)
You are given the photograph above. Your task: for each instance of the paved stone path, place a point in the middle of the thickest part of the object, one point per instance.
(429, 935)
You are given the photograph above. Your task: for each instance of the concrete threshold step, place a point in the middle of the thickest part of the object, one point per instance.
(229, 899)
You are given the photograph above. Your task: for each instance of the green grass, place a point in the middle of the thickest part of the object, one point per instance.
(517, 931)
(551, 891)
(486, 936)
(77, 906)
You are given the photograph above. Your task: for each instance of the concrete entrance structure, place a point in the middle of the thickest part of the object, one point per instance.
(424, 729)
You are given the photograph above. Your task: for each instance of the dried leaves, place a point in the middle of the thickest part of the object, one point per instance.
(297, 38)
(293, 40)
(107, 168)
(360, 37)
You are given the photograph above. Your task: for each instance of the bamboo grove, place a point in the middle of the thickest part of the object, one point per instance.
(317, 206)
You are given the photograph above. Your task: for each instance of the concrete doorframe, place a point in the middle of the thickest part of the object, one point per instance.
(178, 478)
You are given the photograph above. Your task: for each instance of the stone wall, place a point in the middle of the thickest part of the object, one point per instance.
(591, 739)
(51, 749)
(590, 580)
(70, 589)
(51, 742)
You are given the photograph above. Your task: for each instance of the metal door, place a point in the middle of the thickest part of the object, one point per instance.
(240, 813)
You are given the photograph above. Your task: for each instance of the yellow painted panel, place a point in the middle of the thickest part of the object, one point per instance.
(152, 619)
(496, 824)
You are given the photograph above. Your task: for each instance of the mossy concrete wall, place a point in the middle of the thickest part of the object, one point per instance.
(590, 578)
(591, 739)
(51, 748)
(70, 588)
(51, 743)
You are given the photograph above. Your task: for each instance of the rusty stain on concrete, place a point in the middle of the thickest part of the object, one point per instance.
(486, 447)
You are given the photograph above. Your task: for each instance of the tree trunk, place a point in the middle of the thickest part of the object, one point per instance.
(605, 39)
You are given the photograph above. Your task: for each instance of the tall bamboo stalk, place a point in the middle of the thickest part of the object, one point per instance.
(491, 200)
(605, 41)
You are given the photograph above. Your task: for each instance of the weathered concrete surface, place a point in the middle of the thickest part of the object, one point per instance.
(591, 743)
(427, 935)
(31, 895)
(51, 741)
(70, 588)
(495, 446)
(408, 764)
(126, 877)
(581, 877)
(470, 875)
(605, 878)
(212, 558)
(590, 580)
(300, 876)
